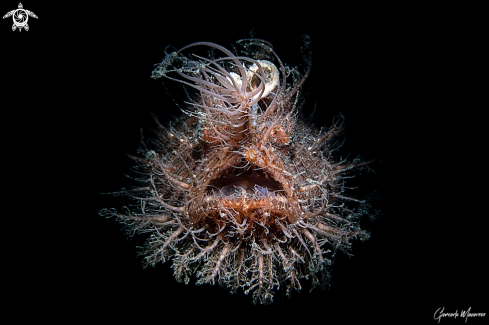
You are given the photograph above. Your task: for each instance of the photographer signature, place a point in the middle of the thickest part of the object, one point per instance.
(440, 313)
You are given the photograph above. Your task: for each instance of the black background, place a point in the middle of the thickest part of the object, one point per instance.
(76, 91)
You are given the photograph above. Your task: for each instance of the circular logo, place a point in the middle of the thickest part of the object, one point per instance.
(20, 17)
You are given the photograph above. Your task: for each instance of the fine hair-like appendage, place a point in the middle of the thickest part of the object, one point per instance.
(241, 192)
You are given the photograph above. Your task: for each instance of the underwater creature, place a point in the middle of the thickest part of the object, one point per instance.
(240, 191)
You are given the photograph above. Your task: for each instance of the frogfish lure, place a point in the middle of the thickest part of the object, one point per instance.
(240, 191)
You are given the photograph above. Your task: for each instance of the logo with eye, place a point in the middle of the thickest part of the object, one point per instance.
(20, 17)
